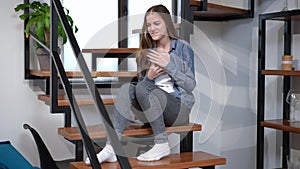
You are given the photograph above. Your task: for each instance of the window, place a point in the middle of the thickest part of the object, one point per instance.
(98, 28)
(94, 19)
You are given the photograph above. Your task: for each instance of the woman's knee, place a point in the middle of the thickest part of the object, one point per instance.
(127, 90)
(125, 87)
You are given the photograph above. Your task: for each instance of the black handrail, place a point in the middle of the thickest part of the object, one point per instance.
(58, 12)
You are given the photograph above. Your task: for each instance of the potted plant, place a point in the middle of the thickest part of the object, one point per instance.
(39, 23)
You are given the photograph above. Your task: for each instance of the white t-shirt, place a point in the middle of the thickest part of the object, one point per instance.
(164, 82)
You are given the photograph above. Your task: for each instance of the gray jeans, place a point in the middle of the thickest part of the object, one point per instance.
(151, 105)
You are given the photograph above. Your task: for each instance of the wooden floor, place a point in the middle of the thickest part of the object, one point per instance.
(178, 160)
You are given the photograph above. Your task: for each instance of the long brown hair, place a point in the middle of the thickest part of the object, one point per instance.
(147, 41)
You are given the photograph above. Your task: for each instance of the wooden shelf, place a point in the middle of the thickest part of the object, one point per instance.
(283, 125)
(176, 160)
(76, 74)
(281, 72)
(98, 131)
(63, 101)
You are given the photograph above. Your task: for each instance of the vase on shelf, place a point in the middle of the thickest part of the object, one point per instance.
(44, 59)
(293, 98)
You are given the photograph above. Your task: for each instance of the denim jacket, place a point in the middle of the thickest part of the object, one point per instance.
(181, 70)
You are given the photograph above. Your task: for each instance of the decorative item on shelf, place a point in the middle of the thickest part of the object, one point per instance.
(287, 62)
(293, 98)
(39, 23)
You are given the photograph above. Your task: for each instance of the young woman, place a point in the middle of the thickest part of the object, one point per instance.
(163, 95)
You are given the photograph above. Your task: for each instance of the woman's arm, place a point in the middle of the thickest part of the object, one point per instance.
(181, 68)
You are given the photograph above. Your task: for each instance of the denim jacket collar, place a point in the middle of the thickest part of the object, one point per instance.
(173, 44)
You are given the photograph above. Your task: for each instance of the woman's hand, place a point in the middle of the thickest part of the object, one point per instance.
(158, 57)
(154, 71)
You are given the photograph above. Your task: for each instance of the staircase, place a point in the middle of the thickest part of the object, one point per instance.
(82, 135)
(215, 12)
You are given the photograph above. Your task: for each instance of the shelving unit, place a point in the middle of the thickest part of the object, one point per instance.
(287, 17)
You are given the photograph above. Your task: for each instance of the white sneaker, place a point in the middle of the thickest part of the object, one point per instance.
(107, 154)
(157, 152)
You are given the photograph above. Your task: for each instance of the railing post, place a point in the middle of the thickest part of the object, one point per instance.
(53, 71)
(261, 93)
(203, 6)
(122, 23)
(26, 47)
(251, 8)
(175, 10)
(27, 74)
(286, 87)
(54, 80)
(186, 28)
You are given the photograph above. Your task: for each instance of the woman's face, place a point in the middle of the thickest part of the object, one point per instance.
(156, 26)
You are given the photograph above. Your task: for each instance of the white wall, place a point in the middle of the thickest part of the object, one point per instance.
(100, 30)
(226, 75)
(18, 102)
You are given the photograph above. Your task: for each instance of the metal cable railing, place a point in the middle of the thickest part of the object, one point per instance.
(57, 66)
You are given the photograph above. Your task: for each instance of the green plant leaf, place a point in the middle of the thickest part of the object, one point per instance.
(22, 7)
(30, 23)
(24, 16)
(39, 30)
(36, 5)
(46, 21)
(39, 16)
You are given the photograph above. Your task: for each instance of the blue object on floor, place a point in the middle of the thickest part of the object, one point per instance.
(11, 158)
(3, 166)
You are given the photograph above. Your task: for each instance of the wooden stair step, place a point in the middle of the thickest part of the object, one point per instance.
(63, 100)
(111, 51)
(98, 131)
(77, 74)
(195, 2)
(213, 6)
(216, 12)
(176, 160)
(219, 11)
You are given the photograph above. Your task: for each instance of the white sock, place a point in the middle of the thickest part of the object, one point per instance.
(157, 152)
(107, 154)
